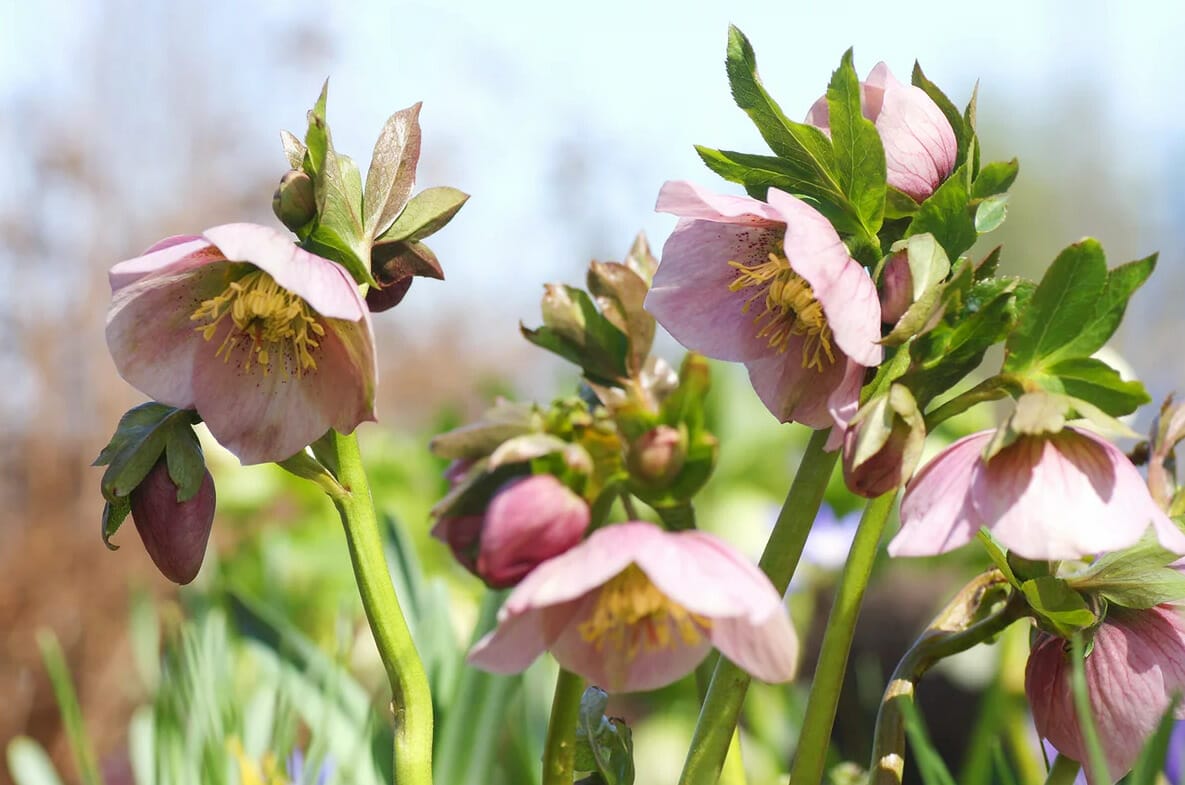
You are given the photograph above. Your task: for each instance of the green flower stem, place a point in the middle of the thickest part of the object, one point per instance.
(1064, 771)
(559, 752)
(726, 692)
(411, 702)
(815, 737)
(951, 632)
(1096, 761)
(990, 389)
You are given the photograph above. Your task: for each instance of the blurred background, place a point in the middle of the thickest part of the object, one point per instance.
(129, 121)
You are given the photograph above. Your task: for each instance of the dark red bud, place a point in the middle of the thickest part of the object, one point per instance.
(174, 533)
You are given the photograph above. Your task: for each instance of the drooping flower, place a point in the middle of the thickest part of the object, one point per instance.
(174, 533)
(271, 345)
(528, 521)
(772, 286)
(1134, 668)
(920, 145)
(634, 607)
(1054, 496)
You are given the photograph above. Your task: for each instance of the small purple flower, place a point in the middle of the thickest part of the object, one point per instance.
(296, 768)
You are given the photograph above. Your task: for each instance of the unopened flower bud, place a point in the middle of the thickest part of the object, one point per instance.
(883, 443)
(656, 458)
(174, 533)
(294, 201)
(896, 288)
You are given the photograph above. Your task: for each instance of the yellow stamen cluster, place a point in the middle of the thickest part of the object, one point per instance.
(790, 309)
(266, 314)
(249, 774)
(632, 615)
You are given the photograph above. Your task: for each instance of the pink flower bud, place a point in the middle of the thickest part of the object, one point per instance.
(529, 520)
(896, 288)
(656, 458)
(920, 145)
(174, 533)
(1136, 665)
(883, 443)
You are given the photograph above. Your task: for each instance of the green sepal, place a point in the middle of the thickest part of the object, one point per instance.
(139, 441)
(995, 178)
(1138, 577)
(505, 420)
(185, 462)
(427, 213)
(620, 294)
(575, 330)
(685, 406)
(392, 171)
(856, 147)
(603, 745)
(1057, 605)
(946, 215)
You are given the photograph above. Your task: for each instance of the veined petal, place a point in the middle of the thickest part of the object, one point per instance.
(688, 200)
(794, 393)
(516, 642)
(936, 511)
(323, 284)
(920, 145)
(170, 256)
(768, 651)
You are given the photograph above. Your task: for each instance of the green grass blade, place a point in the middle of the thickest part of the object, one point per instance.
(67, 698)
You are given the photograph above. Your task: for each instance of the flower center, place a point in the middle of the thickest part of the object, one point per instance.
(790, 309)
(273, 320)
(632, 615)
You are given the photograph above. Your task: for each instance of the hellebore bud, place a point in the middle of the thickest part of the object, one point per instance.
(174, 533)
(656, 457)
(294, 201)
(896, 288)
(528, 521)
(883, 443)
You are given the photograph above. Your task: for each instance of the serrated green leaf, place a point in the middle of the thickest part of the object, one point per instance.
(1064, 301)
(1122, 283)
(948, 109)
(1139, 577)
(339, 234)
(990, 213)
(945, 215)
(899, 204)
(392, 172)
(995, 178)
(1092, 380)
(989, 264)
(856, 146)
(1057, 603)
(426, 213)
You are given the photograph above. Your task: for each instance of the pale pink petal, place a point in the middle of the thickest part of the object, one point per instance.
(1062, 497)
(792, 392)
(840, 284)
(690, 295)
(936, 511)
(844, 402)
(920, 145)
(512, 646)
(819, 115)
(688, 200)
(324, 285)
(176, 239)
(768, 651)
(168, 257)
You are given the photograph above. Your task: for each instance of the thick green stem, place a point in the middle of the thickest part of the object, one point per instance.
(559, 754)
(411, 702)
(722, 705)
(811, 755)
(951, 632)
(1064, 772)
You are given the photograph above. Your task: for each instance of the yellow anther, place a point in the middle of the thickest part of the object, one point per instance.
(632, 615)
(272, 318)
(790, 309)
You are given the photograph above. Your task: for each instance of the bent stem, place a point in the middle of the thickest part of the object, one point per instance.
(411, 701)
(810, 757)
(559, 752)
(949, 633)
(726, 692)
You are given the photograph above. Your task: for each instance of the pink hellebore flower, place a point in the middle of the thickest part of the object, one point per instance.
(528, 521)
(270, 344)
(1133, 670)
(1054, 496)
(772, 286)
(920, 146)
(635, 607)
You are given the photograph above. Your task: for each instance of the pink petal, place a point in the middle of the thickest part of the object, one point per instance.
(690, 296)
(920, 146)
(840, 284)
(844, 402)
(324, 285)
(512, 646)
(529, 520)
(688, 200)
(794, 393)
(936, 511)
(170, 256)
(767, 651)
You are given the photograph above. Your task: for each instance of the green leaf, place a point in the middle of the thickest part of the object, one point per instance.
(1122, 283)
(1138, 577)
(945, 214)
(620, 293)
(928, 268)
(995, 178)
(998, 555)
(899, 204)
(856, 146)
(963, 134)
(1152, 757)
(425, 214)
(606, 744)
(114, 514)
(931, 767)
(574, 329)
(990, 213)
(67, 699)
(294, 149)
(1094, 381)
(1096, 760)
(1065, 301)
(186, 464)
(989, 264)
(1057, 603)
(392, 170)
(137, 444)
